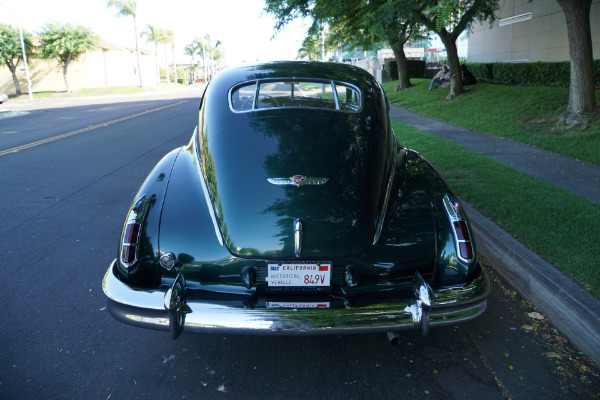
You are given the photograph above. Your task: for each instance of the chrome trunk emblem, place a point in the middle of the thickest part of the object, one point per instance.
(298, 228)
(298, 180)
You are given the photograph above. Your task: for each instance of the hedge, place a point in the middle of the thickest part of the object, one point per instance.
(555, 74)
(416, 68)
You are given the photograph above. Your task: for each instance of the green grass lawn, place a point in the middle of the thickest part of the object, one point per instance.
(516, 112)
(559, 226)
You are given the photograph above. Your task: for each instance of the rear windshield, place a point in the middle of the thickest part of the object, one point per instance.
(288, 93)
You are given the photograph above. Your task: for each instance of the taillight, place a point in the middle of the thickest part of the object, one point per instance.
(460, 230)
(130, 240)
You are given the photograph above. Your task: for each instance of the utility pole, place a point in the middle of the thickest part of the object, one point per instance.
(25, 61)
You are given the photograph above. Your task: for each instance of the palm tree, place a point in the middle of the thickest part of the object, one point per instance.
(167, 39)
(208, 51)
(128, 8)
(310, 48)
(154, 35)
(203, 48)
(171, 36)
(191, 50)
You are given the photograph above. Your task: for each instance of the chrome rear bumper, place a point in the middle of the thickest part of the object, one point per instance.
(169, 309)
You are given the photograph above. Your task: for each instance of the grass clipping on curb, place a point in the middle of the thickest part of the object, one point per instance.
(559, 226)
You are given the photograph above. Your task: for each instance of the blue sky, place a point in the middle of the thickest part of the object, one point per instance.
(241, 26)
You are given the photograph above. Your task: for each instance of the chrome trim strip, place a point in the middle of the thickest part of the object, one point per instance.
(146, 308)
(298, 232)
(386, 200)
(298, 180)
(335, 95)
(205, 189)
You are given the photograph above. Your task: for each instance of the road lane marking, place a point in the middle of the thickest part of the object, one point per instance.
(89, 128)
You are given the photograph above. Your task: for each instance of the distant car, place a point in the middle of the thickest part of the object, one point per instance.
(294, 210)
(3, 98)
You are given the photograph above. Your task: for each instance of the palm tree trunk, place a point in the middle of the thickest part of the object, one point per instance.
(156, 59)
(174, 65)
(167, 63)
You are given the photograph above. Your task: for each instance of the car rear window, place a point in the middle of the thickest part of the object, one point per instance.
(287, 93)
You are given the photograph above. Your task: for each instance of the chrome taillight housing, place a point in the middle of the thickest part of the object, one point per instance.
(460, 230)
(130, 240)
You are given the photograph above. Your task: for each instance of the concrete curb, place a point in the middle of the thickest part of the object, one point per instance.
(570, 307)
(10, 114)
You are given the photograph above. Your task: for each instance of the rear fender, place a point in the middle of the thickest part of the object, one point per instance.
(144, 270)
(450, 267)
(419, 224)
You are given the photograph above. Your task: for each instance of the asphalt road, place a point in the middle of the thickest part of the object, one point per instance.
(68, 173)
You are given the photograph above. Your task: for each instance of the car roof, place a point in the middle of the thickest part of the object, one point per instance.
(295, 69)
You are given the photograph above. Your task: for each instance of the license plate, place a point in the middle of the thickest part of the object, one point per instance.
(293, 305)
(299, 274)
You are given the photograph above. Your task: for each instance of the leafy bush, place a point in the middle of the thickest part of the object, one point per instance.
(553, 74)
(416, 68)
(481, 70)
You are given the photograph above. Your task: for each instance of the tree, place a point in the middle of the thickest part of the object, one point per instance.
(11, 52)
(209, 52)
(358, 23)
(310, 48)
(191, 50)
(448, 19)
(169, 39)
(370, 23)
(128, 8)
(154, 35)
(66, 43)
(582, 98)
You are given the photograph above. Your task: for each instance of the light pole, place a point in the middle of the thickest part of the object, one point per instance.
(25, 61)
(24, 54)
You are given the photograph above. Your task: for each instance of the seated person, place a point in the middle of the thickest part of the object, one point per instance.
(467, 77)
(442, 78)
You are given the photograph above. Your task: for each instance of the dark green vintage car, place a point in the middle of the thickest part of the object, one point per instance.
(293, 210)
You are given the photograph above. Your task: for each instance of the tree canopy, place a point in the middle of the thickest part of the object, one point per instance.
(11, 52)
(371, 21)
(449, 19)
(66, 43)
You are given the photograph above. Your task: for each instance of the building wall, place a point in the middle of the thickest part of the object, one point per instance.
(101, 68)
(541, 38)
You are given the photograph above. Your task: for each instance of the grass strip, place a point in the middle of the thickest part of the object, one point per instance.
(524, 114)
(559, 226)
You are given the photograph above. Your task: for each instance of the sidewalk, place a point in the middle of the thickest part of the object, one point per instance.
(570, 307)
(553, 168)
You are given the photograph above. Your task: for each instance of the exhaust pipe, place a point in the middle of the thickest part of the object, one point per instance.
(393, 337)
